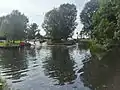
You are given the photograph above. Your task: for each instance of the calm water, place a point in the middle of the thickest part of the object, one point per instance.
(60, 68)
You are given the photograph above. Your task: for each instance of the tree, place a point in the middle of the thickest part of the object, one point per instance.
(86, 16)
(13, 25)
(105, 21)
(32, 30)
(59, 23)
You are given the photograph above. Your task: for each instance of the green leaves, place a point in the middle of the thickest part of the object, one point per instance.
(60, 23)
(101, 21)
(106, 23)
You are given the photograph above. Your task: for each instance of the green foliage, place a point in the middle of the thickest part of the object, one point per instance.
(86, 16)
(101, 21)
(13, 25)
(96, 48)
(106, 23)
(60, 23)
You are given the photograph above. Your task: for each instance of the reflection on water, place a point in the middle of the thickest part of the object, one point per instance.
(46, 68)
(102, 74)
(14, 63)
(60, 65)
(60, 68)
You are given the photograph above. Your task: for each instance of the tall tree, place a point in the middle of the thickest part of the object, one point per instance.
(86, 16)
(106, 23)
(32, 30)
(60, 22)
(13, 25)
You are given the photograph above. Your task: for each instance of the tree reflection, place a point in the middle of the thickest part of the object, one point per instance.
(13, 61)
(60, 66)
(102, 74)
(31, 51)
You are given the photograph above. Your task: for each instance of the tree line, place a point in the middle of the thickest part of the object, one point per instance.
(100, 19)
(59, 23)
(15, 26)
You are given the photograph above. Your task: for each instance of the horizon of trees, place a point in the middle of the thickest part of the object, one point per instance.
(100, 19)
(60, 21)
(16, 26)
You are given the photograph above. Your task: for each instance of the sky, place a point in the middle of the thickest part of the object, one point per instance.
(36, 9)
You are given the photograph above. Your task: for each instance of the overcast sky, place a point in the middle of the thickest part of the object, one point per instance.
(36, 9)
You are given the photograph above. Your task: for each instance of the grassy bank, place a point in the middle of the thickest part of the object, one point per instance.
(3, 85)
(10, 43)
(92, 44)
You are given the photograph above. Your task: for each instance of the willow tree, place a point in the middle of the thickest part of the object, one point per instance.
(59, 23)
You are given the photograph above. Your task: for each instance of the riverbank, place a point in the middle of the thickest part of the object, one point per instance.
(3, 85)
(92, 44)
(13, 45)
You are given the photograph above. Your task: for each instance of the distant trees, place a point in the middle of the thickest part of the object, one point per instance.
(59, 23)
(32, 31)
(13, 25)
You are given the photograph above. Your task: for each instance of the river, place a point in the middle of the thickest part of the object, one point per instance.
(59, 68)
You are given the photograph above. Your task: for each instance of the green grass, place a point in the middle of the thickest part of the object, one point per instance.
(10, 43)
(94, 47)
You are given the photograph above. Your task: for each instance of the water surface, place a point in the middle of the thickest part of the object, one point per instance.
(60, 68)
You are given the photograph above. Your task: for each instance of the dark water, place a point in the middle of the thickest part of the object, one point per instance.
(60, 68)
